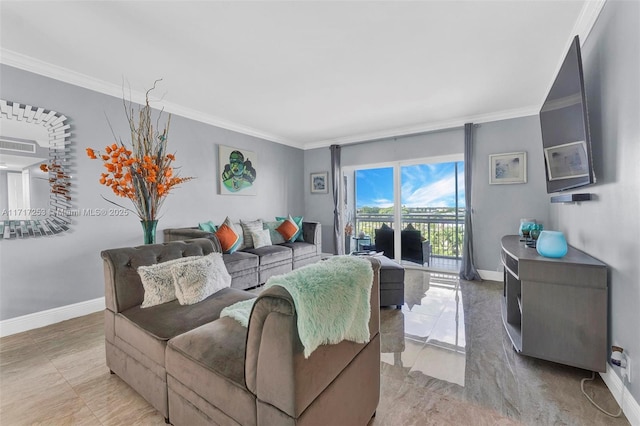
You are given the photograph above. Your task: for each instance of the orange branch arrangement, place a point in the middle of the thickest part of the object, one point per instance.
(58, 179)
(144, 174)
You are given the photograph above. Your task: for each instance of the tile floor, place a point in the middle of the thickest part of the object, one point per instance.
(445, 360)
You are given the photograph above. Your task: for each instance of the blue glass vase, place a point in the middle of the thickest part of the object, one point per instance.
(552, 244)
(149, 231)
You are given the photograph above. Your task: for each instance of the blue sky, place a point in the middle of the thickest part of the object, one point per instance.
(423, 185)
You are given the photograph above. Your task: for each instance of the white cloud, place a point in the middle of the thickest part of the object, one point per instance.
(426, 185)
(383, 202)
(434, 195)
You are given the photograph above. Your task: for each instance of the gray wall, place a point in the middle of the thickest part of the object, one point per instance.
(497, 209)
(320, 206)
(42, 273)
(609, 227)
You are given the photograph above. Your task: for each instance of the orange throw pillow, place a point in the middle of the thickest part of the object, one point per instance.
(228, 238)
(288, 229)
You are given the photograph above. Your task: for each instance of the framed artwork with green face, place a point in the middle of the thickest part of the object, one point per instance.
(237, 171)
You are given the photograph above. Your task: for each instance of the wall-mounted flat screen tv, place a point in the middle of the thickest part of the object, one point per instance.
(565, 127)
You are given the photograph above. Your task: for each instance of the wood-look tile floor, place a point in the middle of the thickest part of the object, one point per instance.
(445, 360)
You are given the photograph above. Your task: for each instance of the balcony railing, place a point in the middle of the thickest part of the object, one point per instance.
(442, 227)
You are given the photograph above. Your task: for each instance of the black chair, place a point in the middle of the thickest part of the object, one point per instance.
(414, 249)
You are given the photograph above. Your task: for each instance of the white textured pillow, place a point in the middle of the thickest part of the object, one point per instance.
(195, 281)
(247, 229)
(261, 238)
(157, 281)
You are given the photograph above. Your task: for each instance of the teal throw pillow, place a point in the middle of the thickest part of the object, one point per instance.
(298, 220)
(207, 226)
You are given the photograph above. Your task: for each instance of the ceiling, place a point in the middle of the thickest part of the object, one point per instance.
(304, 73)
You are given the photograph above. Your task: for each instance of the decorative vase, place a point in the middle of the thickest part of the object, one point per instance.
(525, 225)
(552, 244)
(535, 231)
(149, 231)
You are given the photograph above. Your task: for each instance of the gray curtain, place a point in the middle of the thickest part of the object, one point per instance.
(335, 179)
(467, 268)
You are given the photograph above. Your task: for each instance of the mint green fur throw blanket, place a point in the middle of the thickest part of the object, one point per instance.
(239, 311)
(332, 300)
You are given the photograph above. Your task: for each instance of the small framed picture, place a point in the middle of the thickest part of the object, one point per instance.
(508, 168)
(567, 161)
(319, 183)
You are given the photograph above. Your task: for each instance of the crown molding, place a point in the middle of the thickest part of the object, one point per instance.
(582, 28)
(428, 127)
(66, 75)
(587, 19)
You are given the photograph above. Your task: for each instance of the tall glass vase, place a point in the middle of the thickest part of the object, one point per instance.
(149, 231)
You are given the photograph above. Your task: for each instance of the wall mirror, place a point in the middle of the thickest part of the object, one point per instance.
(35, 195)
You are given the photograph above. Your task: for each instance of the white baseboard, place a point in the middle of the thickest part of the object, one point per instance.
(50, 316)
(491, 275)
(629, 405)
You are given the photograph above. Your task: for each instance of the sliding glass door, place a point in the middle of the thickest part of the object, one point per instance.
(424, 200)
(375, 209)
(432, 214)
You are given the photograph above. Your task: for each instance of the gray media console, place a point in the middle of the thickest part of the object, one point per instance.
(555, 309)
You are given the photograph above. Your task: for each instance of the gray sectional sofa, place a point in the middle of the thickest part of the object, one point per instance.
(197, 368)
(250, 267)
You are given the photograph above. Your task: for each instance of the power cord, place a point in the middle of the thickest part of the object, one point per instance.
(593, 376)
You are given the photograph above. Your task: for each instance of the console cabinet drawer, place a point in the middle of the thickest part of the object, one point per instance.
(510, 263)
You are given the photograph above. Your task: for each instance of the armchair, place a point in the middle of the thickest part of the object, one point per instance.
(414, 249)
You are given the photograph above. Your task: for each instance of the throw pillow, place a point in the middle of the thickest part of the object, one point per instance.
(248, 228)
(207, 226)
(229, 239)
(276, 237)
(261, 238)
(385, 226)
(409, 227)
(237, 228)
(289, 229)
(298, 220)
(157, 282)
(198, 279)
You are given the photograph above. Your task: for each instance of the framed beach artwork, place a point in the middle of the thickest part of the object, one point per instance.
(508, 168)
(319, 183)
(567, 161)
(237, 171)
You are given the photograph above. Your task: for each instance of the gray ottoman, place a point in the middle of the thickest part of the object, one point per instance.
(391, 282)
